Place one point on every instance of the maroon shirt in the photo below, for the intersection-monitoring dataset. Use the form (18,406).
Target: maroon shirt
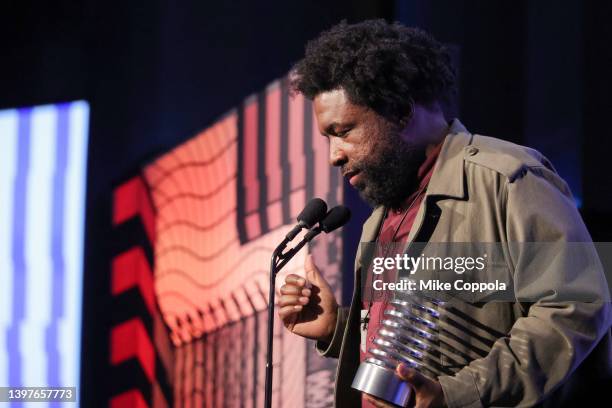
(386,235)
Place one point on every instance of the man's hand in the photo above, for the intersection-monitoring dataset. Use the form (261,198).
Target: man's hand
(427,393)
(308,306)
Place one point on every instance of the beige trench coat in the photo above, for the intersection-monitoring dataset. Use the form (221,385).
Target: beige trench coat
(502,353)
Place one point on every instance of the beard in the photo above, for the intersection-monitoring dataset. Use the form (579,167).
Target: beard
(390,172)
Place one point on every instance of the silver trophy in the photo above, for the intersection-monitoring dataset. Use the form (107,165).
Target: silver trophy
(409,335)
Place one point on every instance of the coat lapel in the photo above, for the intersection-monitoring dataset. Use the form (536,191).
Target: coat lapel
(368,234)
(447,179)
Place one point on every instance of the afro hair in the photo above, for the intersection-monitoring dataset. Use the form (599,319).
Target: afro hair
(385,67)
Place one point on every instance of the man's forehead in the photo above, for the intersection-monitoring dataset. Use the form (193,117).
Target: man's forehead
(331,98)
(334,107)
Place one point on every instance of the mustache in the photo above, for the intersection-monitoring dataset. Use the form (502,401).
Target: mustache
(354,168)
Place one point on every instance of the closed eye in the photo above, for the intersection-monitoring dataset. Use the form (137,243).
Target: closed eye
(338,130)
(343,133)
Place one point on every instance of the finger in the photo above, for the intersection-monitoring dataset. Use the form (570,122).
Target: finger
(290,290)
(278,290)
(294,290)
(296,280)
(288,300)
(292,300)
(411,376)
(288,311)
(312,272)
(375,401)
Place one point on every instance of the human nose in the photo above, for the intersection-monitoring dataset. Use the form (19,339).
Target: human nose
(337,156)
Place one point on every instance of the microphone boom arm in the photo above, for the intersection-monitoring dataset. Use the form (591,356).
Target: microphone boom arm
(335,218)
(277,262)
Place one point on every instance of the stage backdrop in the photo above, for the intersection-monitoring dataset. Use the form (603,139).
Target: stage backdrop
(223,201)
(43,162)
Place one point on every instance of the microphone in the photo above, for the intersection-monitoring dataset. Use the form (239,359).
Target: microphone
(314,211)
(334,219)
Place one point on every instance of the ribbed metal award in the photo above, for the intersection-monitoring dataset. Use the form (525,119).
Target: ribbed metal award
(408,334)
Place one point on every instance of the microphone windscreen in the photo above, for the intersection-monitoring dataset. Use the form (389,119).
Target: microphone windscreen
(314,212)
(335,218)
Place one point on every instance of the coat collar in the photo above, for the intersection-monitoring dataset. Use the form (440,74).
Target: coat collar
(372,224)
(446,180)
(447,177)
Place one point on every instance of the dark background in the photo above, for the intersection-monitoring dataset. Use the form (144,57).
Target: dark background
(157,72)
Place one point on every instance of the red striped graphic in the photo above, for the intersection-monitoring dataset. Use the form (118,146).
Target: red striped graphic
(296,154)
(131,199)
(273,165)
(131,269)
(131,340)
(251,183)
(321,153)
(129,399)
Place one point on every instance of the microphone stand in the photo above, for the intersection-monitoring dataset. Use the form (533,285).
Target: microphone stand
(278,261)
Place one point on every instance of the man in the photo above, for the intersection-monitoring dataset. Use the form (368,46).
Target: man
(378,91)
